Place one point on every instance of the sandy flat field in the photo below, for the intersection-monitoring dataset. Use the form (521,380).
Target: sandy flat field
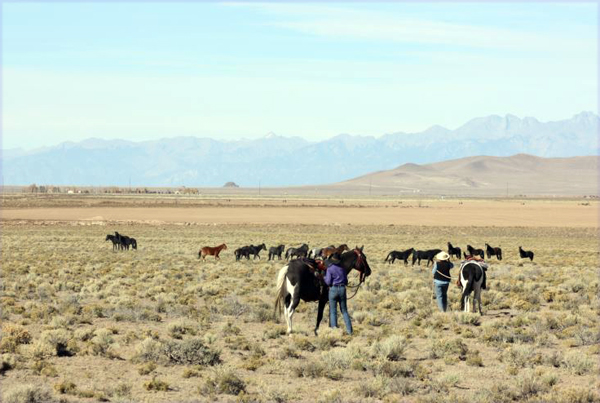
(537,213)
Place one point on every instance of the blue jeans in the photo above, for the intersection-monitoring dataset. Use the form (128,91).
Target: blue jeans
(441,294)
(338,294)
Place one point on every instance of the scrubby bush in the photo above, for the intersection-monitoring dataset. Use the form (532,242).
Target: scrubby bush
(391,349)
(148,350)
(27,394)
(191,352)
(223,381)
(156,385)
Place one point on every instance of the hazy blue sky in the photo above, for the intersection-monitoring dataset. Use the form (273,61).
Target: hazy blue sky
(143,71)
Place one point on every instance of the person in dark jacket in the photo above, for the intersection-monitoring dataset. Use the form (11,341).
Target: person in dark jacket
(336,279)
(441,279)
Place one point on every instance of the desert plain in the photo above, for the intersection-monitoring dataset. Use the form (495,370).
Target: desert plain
(81,322)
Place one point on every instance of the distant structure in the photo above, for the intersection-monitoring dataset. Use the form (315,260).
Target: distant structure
(230,185)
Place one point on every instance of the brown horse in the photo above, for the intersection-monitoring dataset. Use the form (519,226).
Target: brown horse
(328,251)
(211,251)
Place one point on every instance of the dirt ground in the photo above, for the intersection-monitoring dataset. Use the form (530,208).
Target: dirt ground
(459,213)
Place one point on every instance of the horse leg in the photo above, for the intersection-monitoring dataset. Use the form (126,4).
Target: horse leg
(294,300)
(322,303)
(478,299)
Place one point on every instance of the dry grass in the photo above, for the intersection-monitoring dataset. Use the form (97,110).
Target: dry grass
(81,323)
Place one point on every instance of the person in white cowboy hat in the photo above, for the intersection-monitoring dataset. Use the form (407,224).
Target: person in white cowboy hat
(441,279)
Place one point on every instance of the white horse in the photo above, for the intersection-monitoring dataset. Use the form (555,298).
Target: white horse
(472,279)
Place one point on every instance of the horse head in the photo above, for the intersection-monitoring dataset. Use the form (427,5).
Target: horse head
(361,264)
(108,237)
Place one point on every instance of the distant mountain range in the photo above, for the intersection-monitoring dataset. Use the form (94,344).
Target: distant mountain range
(520,174)
(291,161)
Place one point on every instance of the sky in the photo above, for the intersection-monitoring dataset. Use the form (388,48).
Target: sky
(149,70)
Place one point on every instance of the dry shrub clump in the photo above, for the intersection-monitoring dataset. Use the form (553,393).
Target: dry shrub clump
(185,352)
(27,394)
(223,381)
(190,352)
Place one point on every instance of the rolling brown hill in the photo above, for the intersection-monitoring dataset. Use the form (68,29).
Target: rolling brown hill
(521,174)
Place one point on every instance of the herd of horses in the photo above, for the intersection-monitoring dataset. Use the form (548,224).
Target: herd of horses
(301,278)
(121,242)
(428,255)
(303,251)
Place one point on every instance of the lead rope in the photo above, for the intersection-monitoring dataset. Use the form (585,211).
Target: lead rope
(355,292)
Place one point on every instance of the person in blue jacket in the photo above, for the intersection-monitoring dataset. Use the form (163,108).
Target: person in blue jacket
(337,280)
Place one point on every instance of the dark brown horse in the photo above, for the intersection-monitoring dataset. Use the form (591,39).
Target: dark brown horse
(491,251)
(211,251)
(330,250)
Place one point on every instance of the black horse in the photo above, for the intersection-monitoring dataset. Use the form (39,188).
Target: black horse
(452,251)
(299,280)
(255,250)
(125,242)
(395,254)
(241,252)
(525,254)
(490,251)
(276,251)
(473,251)
(424,254)
(301,251)
(115,241)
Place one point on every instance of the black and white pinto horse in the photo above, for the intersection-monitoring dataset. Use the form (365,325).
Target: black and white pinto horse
(424,254)
(454,251)
(298,280)
(301,251)
(472,278)
(395,254)
(276,251)
(317,252)
(524,254)
(491,251)
(474,252)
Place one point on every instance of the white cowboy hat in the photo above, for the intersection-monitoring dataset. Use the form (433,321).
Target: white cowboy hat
(442,256)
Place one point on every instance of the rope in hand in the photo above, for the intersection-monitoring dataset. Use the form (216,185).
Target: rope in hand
(355,286)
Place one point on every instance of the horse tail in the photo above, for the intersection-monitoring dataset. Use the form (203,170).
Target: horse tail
(388,257)
(199,253)
(531,256)
(280,290)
